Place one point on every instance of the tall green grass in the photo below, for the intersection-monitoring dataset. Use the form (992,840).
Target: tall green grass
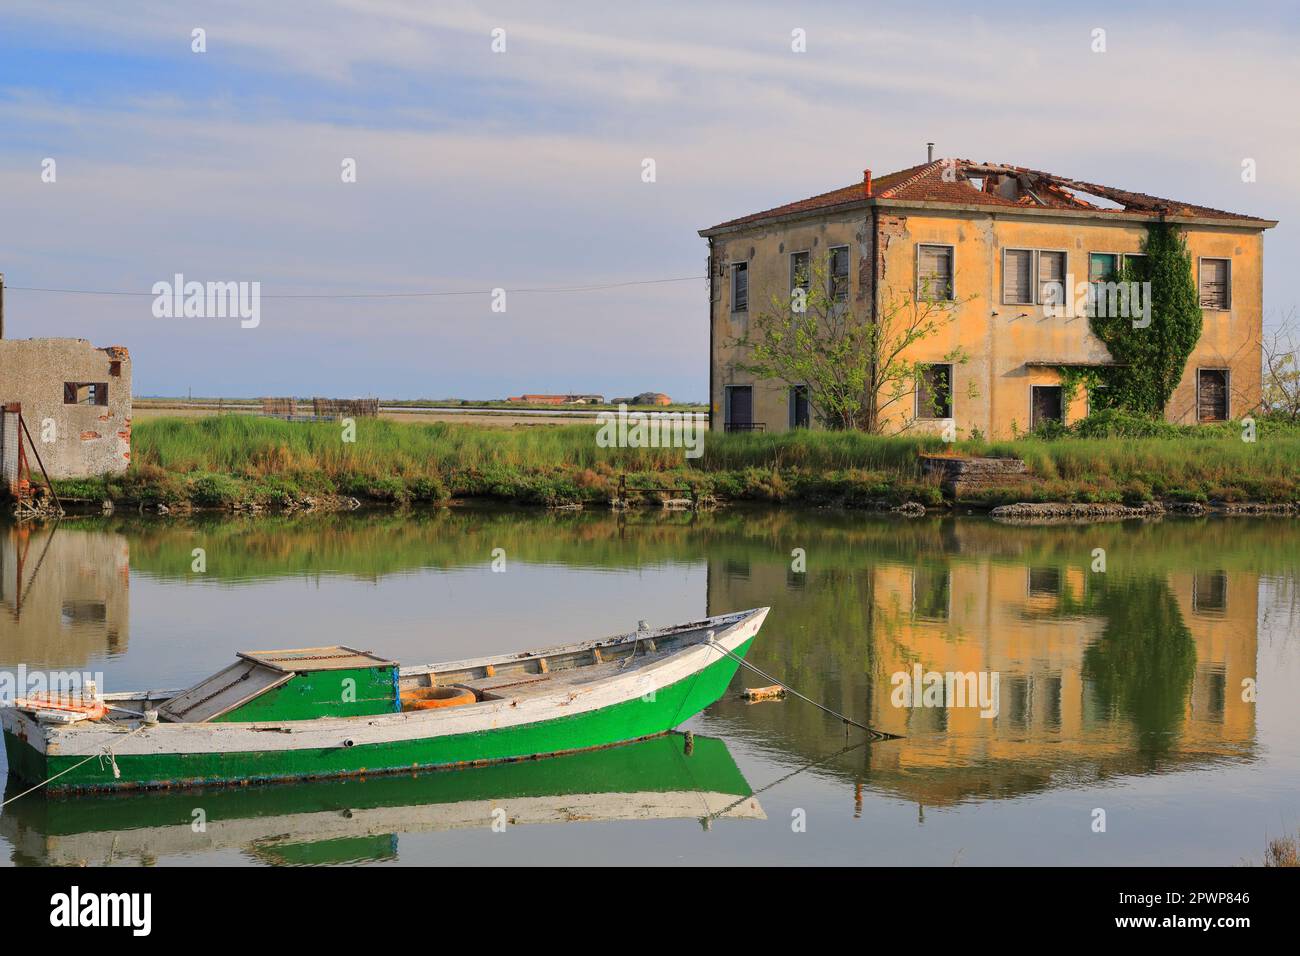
(221,459)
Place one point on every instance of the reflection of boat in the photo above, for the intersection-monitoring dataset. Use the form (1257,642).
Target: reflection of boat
(332,821)
(335,711)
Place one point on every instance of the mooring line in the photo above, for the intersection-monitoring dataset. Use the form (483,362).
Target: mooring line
(794,773)
(103,752)
(875,734)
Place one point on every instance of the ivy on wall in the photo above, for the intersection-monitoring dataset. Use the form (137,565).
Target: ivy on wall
(1073,376)
(1150,360)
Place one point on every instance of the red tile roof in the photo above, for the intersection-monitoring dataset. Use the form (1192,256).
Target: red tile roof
(950,181)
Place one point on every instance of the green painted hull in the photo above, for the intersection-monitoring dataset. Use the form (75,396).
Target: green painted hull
(620,723)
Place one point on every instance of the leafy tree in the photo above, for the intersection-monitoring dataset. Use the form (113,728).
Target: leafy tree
(1144,663)
(858,372)
(1151,360)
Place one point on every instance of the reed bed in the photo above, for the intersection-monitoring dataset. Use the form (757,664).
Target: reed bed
(224,459)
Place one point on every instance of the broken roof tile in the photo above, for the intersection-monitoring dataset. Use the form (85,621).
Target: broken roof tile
(950,181)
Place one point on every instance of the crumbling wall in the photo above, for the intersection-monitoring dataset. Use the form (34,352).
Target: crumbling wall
(72,440)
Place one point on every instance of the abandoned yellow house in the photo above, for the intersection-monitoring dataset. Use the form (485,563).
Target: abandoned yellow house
(1000,241)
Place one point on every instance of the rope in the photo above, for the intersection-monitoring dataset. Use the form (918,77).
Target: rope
(874,734)
(794,773)
(101,753)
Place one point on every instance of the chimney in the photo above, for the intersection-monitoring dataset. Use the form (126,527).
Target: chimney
(866,182)
(929,152)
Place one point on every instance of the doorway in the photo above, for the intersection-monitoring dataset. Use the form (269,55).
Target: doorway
(1048,405)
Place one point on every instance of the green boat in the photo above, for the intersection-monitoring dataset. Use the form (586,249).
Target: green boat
(337,711)
(352,820)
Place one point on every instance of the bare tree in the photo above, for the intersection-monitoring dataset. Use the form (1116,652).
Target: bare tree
(1282,369)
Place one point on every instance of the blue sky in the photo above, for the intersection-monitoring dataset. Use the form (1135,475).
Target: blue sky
(521,169)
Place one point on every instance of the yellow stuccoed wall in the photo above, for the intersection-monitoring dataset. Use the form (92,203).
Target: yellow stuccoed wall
(768,253)
(992,389)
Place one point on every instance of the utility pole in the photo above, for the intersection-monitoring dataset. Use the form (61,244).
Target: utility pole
(2,305)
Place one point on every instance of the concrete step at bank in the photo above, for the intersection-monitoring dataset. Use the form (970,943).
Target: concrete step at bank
(961,478)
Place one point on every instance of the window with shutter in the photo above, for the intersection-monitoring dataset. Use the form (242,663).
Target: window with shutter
(1212,395)
(1214,283)
(740,287)
(1018,276)
(839,272)
(934,273)
(1051,278)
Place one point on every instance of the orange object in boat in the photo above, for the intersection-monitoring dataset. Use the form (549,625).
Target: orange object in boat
(92,708)
(430,698)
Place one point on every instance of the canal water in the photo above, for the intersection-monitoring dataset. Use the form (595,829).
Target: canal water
(1145,711)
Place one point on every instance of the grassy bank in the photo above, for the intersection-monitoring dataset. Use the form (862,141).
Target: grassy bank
(222,461)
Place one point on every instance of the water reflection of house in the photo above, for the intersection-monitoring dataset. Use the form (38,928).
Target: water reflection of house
(1098,675)
(64,595)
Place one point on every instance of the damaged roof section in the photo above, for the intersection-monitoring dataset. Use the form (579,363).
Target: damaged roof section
(963,182)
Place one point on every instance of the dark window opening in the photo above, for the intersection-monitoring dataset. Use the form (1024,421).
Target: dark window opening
(1016,694)
(800,271)
(800,410)
(1048,405)
(934,392)
(839,272)
(736,569)
(85,393)
(1216,694)
(1210,592)
(1045,581)
(931,593)
(1135,264)
(84,612)
(1052,702)
(740,409)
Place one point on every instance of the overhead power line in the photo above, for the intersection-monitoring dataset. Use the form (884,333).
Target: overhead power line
(382,295)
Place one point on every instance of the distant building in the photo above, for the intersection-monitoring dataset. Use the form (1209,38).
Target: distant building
(558,399)
(75,400)
(645,398)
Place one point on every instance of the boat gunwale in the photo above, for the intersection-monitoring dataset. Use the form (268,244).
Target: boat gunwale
(719,621)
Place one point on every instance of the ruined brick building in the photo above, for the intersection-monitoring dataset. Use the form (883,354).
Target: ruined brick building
(75,400)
